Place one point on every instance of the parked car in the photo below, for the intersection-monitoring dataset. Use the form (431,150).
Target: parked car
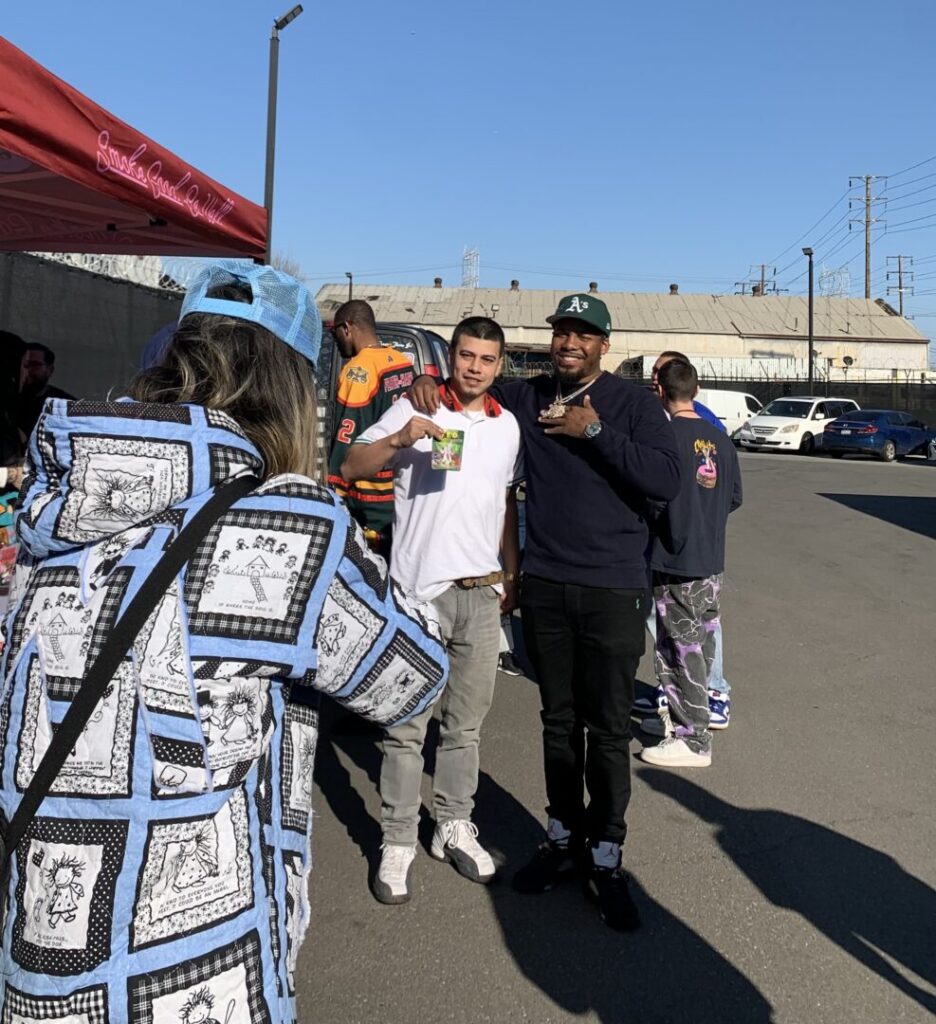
(793,424)
(885,433)
(428,351)
(733,408)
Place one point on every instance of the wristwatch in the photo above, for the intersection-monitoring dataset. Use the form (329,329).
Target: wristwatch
(592,430)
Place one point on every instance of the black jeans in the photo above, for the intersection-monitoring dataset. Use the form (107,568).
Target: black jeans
(585,644)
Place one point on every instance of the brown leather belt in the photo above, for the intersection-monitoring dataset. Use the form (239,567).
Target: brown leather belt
(470,582)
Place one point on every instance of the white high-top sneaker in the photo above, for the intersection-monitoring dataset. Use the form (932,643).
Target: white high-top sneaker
(456,841)
(391,883)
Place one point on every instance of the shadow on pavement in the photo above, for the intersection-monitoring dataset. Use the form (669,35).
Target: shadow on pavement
(663,974)
(910,512)
(860,898)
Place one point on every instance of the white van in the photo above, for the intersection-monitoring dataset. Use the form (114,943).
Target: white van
(793,424)
(733,408)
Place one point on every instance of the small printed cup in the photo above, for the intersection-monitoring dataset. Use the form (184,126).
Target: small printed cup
(447,450)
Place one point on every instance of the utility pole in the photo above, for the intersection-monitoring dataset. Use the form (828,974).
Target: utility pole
(808,253)
(899,273)
(867,236)
(758,283)
(868,220)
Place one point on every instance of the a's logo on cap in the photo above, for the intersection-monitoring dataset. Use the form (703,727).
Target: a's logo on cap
(576,305)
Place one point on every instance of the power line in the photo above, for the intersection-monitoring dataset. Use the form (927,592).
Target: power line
(907,170)
(913,181)
(913,220)
(375,273)
(813,228)
(913,192)
(826,256)
(907,206)
(844,233)
(919,227)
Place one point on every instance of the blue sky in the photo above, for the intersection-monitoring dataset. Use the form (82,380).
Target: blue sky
(635,144)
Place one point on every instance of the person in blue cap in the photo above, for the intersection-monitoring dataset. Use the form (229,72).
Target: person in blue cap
(165,875)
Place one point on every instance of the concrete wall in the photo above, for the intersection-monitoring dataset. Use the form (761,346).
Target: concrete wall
(96,326)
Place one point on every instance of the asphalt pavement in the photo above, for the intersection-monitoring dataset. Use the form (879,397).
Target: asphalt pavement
(793,881)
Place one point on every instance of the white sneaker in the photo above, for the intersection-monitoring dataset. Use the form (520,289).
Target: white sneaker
(392,882)
(674,752)
(455,840)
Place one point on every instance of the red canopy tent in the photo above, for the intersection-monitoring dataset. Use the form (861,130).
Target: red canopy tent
(74,178)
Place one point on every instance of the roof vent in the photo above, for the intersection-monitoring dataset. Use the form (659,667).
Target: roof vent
(592,287)
(437,282)
(515,285)
(674,289)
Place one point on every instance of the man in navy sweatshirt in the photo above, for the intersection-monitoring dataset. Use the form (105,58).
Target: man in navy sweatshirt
(596,447)
(688,559)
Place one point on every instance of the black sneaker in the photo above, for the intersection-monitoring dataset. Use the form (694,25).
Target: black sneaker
(609,889)
(550,865)
(507,663)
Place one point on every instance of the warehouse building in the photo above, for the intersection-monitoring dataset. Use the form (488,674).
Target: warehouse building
(726,336)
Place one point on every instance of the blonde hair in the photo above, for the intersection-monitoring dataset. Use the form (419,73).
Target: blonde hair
(243,369)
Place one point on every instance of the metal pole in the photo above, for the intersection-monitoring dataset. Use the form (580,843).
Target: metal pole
(278,25)
(271,139)
(809,359)
(350,278)
(900,282)
(868,236)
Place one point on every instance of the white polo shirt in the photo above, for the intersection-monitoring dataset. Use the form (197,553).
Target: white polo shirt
(448,523)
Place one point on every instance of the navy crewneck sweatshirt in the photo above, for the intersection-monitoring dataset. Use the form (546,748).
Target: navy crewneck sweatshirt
(690,531)
(586,499)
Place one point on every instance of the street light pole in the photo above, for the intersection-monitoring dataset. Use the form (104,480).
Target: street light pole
(278,27)
(809,364)
(350,278)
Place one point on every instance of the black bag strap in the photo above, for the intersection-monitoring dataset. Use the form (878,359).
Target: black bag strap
(119,641)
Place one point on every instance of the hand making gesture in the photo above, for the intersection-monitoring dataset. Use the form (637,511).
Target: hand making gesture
(573,421)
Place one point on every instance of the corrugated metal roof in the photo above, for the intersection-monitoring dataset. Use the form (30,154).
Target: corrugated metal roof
(777,316)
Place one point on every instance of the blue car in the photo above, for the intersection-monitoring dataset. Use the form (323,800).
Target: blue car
(885,433)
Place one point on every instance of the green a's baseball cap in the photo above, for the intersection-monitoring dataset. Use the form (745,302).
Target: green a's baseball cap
(583,307)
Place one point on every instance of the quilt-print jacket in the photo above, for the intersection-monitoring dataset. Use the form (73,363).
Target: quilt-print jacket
(164,878)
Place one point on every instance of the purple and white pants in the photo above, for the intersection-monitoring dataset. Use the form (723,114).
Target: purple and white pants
(686,621)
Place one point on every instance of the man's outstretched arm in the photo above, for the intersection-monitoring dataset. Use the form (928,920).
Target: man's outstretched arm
(365,458)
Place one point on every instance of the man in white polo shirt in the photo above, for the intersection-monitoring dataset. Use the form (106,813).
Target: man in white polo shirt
(455,525)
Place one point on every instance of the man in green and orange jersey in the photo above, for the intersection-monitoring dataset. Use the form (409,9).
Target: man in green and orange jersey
(374,377)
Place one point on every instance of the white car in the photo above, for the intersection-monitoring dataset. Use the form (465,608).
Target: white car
(733,408)
(792,424)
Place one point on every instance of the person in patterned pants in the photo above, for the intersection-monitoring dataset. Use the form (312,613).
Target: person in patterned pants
(687,560)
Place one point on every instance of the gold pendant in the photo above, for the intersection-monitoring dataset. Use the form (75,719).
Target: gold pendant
(556,411)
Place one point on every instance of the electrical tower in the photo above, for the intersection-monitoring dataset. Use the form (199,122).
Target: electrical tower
(867,219)
(471,268)
(903,272)
(835,282)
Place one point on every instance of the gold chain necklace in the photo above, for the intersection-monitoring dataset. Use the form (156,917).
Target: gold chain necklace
(558,407)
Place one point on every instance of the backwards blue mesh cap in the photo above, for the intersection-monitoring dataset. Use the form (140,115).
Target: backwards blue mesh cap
(280,303)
